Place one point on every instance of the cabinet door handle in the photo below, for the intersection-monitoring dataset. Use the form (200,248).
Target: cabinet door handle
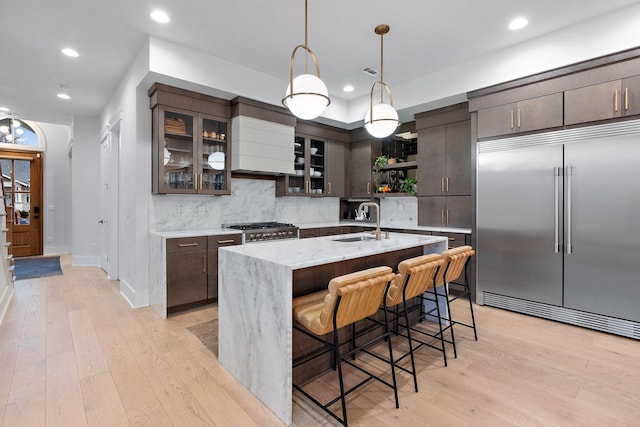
(187,245)
(447,186)
(442,184)
(204,263)
(452,239)
(329,192)
(519,114)
(447,216)
(368,188)
(615,101)
(511,119)
(222,242)
(441,216)
(626,98)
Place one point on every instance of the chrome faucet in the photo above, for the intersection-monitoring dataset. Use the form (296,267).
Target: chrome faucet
(363,204)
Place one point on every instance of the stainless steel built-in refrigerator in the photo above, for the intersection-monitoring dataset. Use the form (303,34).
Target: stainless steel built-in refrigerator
(558,226)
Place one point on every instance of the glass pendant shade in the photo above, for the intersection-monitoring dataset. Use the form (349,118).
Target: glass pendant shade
(309,99)
(383,122)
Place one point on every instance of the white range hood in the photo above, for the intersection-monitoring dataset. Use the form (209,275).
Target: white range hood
(260,146)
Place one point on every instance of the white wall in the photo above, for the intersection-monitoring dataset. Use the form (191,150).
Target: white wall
(56,209)
(134,182)
(85,191)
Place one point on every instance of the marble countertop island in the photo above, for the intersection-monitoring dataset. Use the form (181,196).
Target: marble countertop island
(255,296)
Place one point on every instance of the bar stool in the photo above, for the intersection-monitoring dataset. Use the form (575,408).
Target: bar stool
(456,262)
(415,276)
(348,299)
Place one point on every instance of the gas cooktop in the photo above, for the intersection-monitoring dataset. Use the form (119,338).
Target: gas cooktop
(264,231)
(259,225)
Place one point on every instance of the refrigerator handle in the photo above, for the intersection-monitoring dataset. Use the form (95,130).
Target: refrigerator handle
(556,172)
(569,238)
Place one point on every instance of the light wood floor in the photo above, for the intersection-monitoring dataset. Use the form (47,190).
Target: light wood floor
(72,353)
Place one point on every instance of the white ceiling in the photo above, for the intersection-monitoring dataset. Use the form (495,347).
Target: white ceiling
(425,37)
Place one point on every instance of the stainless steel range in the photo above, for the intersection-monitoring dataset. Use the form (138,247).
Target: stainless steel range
(265,231)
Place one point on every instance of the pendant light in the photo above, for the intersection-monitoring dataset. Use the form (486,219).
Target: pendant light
(307,96)
(381,119)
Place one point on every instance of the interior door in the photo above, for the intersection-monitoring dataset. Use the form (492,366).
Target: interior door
(516,211)
(109,188)
(22,181)
(602,269)
(105,161)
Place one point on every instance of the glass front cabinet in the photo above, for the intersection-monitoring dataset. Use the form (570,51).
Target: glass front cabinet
(309,178)
(190,152)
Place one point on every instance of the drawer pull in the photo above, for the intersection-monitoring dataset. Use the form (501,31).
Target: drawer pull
(452,239)
(187,245)
(222,242)
(204,263)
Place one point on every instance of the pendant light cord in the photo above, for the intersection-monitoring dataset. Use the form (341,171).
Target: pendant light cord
(306,42)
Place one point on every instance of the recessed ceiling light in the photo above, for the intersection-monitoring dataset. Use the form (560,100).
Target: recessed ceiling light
(4,109)
(63,96)
(518,23)
(70,52)
(160,16)
(348,88)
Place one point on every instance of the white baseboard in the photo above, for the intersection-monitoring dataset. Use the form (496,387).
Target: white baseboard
(5,299)
(55,250)
(85,261)
(128,293)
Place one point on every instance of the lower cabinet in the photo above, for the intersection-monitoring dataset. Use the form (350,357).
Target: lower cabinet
(186,271)
(192,269)
(306,233)
(214,243)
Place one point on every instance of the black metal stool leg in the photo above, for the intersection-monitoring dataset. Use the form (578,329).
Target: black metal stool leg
(413,363)
(336,345)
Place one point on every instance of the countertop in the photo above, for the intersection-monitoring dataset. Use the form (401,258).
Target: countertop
(398,226)
(302,253)
(384,224)
(194,233)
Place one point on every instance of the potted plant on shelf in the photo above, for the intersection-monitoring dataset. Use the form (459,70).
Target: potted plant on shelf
(409,186)
(380,162)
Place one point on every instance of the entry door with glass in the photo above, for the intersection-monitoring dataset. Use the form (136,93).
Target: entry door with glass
(22,183)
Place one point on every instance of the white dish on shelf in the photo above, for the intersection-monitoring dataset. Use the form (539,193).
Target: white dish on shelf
(297,144)
(216,160)
(300,160)
(299,172)
(313,150)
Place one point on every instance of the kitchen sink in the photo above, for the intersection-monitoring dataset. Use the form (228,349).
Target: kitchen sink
(355,239)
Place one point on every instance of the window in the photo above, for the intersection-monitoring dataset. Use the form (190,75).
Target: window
(16,180)
(20,134)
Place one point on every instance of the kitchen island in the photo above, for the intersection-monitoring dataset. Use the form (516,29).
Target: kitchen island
(257,283)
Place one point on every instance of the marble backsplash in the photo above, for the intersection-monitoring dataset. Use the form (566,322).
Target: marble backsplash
(254,200)
(399,212)
(251,200)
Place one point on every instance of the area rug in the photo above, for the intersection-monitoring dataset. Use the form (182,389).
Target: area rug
(207,333)
(31,268)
